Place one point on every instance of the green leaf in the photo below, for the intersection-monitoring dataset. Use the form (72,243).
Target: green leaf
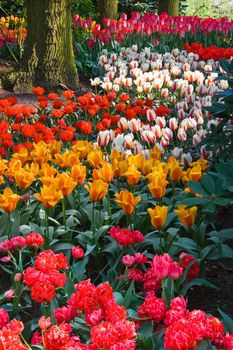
(128,295)
(227,321)
(224,234)
(187,244)
(197,282)
(79,269)
(208,183)
(198,188)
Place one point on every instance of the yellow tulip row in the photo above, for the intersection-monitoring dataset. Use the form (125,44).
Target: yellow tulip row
(59,172)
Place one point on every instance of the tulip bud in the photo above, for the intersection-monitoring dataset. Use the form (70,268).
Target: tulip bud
(18,277)
(173,124)
(181,134)
(103,138)
(150,114)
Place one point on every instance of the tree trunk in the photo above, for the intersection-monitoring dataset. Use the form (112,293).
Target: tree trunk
(48,58)
(107,9)
(169,6)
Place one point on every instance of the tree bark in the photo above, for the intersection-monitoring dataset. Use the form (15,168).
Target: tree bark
(107,9)
(169,6)
(48,58)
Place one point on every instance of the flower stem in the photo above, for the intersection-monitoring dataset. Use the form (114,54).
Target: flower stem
(93,222)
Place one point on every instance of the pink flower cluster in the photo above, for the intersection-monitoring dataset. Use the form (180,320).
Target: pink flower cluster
(150,24)
(45,276)
(110,329)
(126,237)
(10,332)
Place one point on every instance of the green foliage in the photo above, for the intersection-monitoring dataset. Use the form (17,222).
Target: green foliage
(220,139)
(84,8)
(209,8)
(127,6)
(12,7)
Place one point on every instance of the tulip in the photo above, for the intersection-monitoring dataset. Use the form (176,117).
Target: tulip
(127,201)
(65,183)
(8,200)
(105,173)
(157,185)
(103,138)
(49,196)
(24,179)
(175,170)
(133,175)
(148,136)
(186,216)
(95,158)
(78,173)
(97,190)
(158,216)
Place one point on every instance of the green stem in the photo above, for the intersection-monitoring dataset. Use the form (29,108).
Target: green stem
(47,227)
(64,213)
(93,222)
(10,225)
(109,208)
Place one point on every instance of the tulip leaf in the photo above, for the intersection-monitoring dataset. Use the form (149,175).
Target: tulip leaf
(197,282)
(227,321)
(198,188)
(128,295)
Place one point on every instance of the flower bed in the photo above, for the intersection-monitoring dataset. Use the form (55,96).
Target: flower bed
(108,209)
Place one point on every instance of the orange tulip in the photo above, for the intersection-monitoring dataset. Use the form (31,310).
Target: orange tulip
(8,200)
(97,190)
(119,167)
(133,175)
(192,174)
(49,195)
(105,173)
(158,216)
(40,153)
(157,185)
(67,159)
(95,158)
(127,201)
(24,178)
(65,183)
(78,173)
(186,216)
(175,170)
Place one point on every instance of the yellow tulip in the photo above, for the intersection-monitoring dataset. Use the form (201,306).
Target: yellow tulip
(97,190)
(175,170)
(133,175)
(55,147)
(49,195)
(135,160)
(186,216)
(158,215)
(78,173)
(47,174)
(14,166)
(105,173)
(155,153)
(67,159)
(8,200)
(22,155)
(158,184)
(192,174)
(119,167)
(83,148)
(3,165)
(40,153)
(127,201)
(95,158)
(24,178)
(65,183)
